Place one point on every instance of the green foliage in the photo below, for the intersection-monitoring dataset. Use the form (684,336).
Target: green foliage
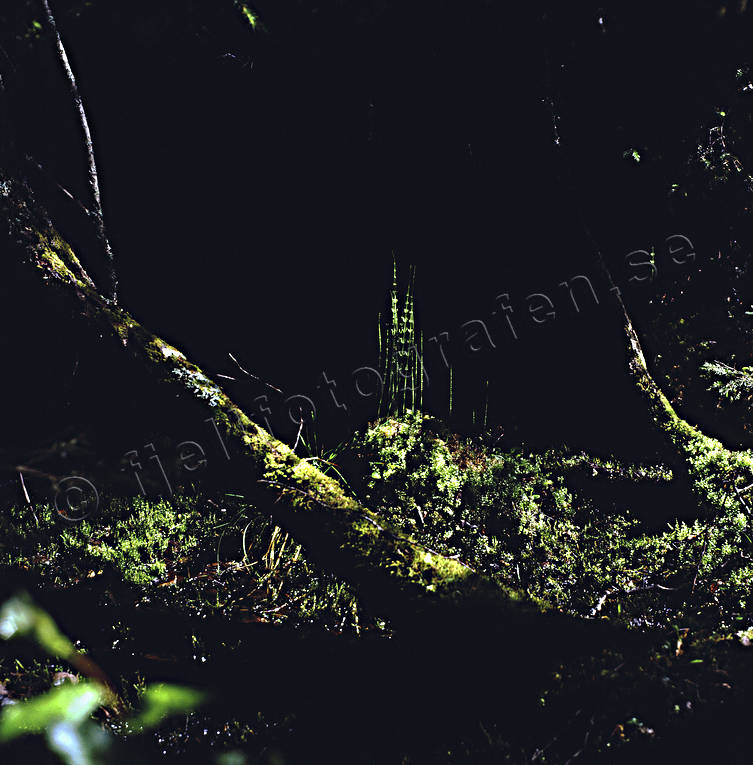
(162,701)
(499,511)
(63,715)
(21,618)
(248,14)
(269,569)
(135,536)
(730,383)
(400,352)
(70,704)
(186,540)
(514,516)
(413,479)
(200,556)
(718,476)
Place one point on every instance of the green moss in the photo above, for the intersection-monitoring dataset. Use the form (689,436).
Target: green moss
(412,476)
(185,554)
(132,536)
(714,471)
(53,261)
(304,488)
(513,516)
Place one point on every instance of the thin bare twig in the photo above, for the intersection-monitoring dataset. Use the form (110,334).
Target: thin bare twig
(253,376)
(741,499)
(29,503)
(300,430)
(61,188)
(98,214)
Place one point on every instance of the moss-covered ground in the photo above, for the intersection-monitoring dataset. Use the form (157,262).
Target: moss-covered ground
(559,526)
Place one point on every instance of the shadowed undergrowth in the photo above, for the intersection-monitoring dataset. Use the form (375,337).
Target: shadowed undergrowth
(530,520)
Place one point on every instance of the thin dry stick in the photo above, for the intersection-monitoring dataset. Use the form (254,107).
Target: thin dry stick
(29,503)
(60,187)
(252,376)
(97,212)
(297,438)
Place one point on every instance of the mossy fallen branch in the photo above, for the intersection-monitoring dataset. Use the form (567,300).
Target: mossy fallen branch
(717,475)
(394,576)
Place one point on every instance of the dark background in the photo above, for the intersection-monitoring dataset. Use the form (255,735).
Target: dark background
(257,183)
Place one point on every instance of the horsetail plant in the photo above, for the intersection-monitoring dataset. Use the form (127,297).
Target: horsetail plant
(400,350)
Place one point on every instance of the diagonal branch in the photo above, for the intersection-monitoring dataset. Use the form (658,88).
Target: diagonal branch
(421,591)
(97,212)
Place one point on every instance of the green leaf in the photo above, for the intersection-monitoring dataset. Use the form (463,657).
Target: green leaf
(162,700)
(249,14)
(84,744)
(20,617)
(236,758)
(70,704)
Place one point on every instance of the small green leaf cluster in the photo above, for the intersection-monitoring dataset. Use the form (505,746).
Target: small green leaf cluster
(63,715)
(730,383)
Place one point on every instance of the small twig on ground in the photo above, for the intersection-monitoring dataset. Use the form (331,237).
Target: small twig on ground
(29,503)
